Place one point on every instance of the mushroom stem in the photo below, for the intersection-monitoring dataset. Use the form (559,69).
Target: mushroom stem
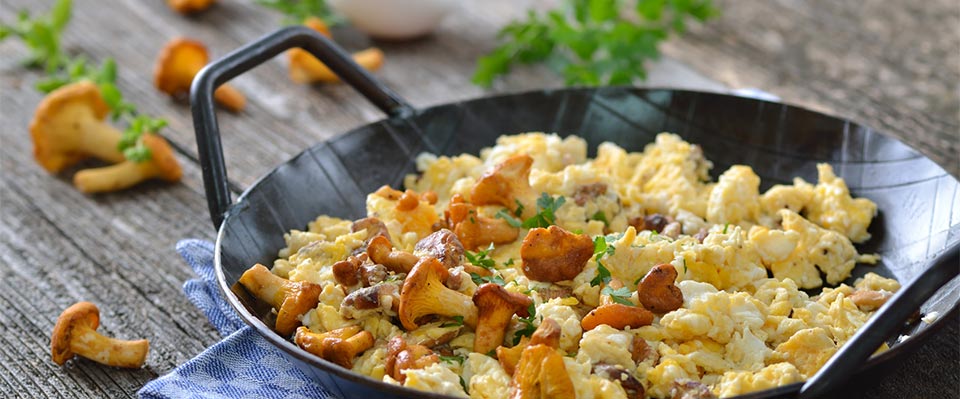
(230,98)
(265,285)
(92,345)
(304,68)
(111,178)
(101,140)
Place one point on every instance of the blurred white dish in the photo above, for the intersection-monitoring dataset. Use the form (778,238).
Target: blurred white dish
(394,19)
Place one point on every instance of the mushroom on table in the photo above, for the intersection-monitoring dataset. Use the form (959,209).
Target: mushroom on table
(179,62)
(75,334)
(161,164)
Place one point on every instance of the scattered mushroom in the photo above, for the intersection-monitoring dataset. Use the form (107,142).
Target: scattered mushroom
(179,62)
(305,68)
(434,334)
(76,334)
(358,271)
(554,254)
(496,306)
(442,244)
(589,192)
(339,346)
(689,389)
(423,293)
(628,382)
(658,291)
(382,298)
(547,333)
(507,184)
(402,356)
(541,373)
(372,225)
(640,351)
(474,230)
(291,299)
(618,316)
(68,126)
(381,251)
(189,6)
(161,165)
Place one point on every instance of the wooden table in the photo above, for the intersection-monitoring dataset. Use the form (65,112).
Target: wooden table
(890,64)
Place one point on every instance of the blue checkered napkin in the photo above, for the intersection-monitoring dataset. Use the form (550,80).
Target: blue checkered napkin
(243,365)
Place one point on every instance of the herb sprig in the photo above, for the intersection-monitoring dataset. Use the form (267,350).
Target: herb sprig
(620,295)
(41,35)
(592,41)
(546,213)
(601,248)
(528,326)
(296,11)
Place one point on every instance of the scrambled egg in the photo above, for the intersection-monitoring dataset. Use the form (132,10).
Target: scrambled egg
(737,331)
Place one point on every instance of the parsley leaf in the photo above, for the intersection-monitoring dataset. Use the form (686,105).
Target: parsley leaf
(600,249)
(600,216)
(725,227)
(546,209)
(620,295)
(512,221)
(592,41)
(478,279)
(296,11)
(481,258)
(457,322)
(528,326)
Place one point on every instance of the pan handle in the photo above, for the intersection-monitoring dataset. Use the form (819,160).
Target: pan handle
(246,58)
(886,322)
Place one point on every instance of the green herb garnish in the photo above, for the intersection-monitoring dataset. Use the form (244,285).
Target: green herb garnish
(592,42)
(296,11)
(528,326)
(602,248)
(453,359)
(600,216)
(620,295)
(481,258)
(457,322)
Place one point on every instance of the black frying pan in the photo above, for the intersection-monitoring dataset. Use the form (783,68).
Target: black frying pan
(919,202)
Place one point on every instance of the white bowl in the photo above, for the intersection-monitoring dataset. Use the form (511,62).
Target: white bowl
(394,19)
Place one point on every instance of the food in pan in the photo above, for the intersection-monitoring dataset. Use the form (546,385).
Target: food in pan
(533,271)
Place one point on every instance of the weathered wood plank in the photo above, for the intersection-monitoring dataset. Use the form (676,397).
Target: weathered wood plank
(892,65)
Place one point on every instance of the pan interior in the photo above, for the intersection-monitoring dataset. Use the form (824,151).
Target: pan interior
(917,199)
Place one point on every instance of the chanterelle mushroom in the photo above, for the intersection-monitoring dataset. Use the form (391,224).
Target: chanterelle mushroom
(161,165)
(548,333)
(507,184)
(442,244)
(541,373)
(658,291)
(496,306)
(618,316)
(291,299)
(305,68)
(189,6)
(76,334)
(402,356)
(423,293)
(474,230)
(68,126)
(339,346)
(381,251)
(179,62)
(554,254)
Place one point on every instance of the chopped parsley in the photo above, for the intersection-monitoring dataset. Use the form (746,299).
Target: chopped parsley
(481,258)
(457,322)
(528,326)
(478,279)
(453,359)
(600,249)
(546,213)
(725,226)
(620,295)
(600,216)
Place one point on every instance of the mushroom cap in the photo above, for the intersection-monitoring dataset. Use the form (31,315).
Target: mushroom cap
(554,254)
(318,25)
(657,290)
(442,244)
(77,315)
(161,157)
(179,61)
(189,6)
(506,184)
(301,297)
(47,126)
(496,307)
(618,316)
(423,293)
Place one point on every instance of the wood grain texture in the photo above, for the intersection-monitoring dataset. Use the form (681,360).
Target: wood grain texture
(58,246)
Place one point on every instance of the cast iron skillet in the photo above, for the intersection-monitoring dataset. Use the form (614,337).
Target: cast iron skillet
(919,217)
